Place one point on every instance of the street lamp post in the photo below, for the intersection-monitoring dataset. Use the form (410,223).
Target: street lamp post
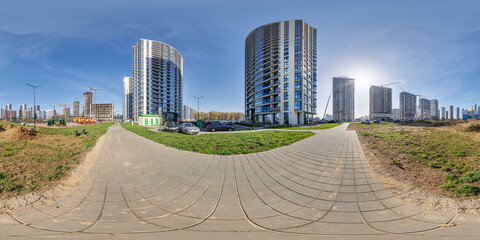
(198,106)
(34,105)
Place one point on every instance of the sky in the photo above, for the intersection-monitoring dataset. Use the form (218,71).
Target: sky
(432,47)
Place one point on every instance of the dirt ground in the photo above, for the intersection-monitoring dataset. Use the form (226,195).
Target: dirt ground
(32,162)
(413,181)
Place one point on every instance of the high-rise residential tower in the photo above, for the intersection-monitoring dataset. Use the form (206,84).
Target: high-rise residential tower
(76,108)
(408,106)
(21,108)
(424,109)
(443,113)
(380,103)
(88,104)
(434,112)
(343,99)
(157,80)
(187,113)
(127,98)
(451,112)
(281,73)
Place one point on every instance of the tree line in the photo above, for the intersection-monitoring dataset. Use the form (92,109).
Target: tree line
(214,115)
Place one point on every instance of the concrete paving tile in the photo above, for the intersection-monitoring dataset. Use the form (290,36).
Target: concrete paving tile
(342,217)
(280,222)
(335,229)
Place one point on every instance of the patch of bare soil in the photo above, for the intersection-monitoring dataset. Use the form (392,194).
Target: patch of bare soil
(412,181)
(53,191)
(15,133)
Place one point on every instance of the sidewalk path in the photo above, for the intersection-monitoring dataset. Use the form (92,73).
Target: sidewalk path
(321,186)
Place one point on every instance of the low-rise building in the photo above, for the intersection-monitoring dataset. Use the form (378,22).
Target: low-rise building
(148,119)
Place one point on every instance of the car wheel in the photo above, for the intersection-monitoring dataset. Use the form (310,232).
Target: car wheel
(230,129)
(213,130)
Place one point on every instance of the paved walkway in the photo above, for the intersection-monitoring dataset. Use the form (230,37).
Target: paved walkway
(321,186)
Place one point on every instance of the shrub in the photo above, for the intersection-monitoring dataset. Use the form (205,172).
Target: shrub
(433,164)
(468,190)
(471,177)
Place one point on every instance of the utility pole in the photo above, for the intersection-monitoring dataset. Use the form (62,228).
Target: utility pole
(34,105)
(198,106)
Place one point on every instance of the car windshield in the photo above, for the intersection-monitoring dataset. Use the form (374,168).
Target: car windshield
(188,125)
(171,124)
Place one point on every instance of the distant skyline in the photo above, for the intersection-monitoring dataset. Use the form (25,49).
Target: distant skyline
(432,47)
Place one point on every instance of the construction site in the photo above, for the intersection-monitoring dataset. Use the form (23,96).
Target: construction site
(65,114)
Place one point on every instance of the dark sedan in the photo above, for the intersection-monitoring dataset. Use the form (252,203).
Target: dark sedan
(220,127)
(171,127)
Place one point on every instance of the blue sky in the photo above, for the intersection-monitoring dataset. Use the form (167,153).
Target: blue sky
(432,47)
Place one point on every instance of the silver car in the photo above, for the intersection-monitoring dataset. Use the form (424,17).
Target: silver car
(188,128)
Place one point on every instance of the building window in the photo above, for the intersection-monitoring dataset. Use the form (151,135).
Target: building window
(298,94)
(285,70)
(285,78)
(285,96)
(285,59)
(285,106)
(285,86)
(285,64)
(298,85)
(298,105)
(298,76)
(285,118)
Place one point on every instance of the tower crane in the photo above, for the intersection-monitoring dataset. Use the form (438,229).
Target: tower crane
(94,93)
(65,110)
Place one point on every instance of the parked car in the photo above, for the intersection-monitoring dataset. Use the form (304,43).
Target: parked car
(366,122)
(188,128)
(376,121)
(220,127)
(171,127)
(397,121)
(210,122)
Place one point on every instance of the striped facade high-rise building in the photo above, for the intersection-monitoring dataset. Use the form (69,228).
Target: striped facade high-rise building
(127,101)
(157,80)
(281,73)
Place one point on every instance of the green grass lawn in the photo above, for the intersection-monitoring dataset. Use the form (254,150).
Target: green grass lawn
(455,154)
(249,124)
(324,126)
(222,144)
(92,132)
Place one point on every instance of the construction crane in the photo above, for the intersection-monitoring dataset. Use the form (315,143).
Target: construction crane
(94,93)
(54,113)
(383,85)
(65,110)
